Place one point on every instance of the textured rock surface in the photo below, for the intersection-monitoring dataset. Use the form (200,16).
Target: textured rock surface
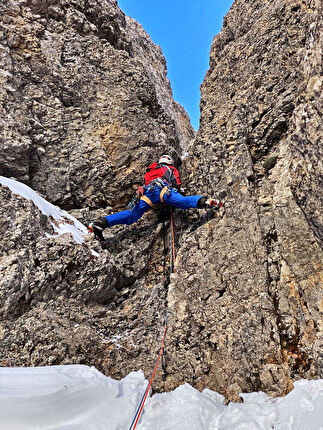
(40,276)
(246,302)
(60,304)
(306,139)
(85,105)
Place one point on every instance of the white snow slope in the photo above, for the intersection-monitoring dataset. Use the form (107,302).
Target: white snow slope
(65,223)
(77,397)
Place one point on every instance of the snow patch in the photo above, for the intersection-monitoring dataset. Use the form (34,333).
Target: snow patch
(81,398)
(62,222)
(96,254)
(66,397)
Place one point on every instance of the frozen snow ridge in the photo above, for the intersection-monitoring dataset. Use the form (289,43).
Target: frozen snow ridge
(62,225)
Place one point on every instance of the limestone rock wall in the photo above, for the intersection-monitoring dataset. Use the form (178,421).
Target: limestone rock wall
(45,284)
(85,106)
(85,102)
(246,301)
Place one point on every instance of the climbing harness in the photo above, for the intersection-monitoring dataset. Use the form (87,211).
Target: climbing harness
(147,200)
(161,351)
(165,190)
(158,182)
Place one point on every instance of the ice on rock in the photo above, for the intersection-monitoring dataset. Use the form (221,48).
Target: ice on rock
(76,228)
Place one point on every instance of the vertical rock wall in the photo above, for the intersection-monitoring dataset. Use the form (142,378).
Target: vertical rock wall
(85,101)
(246,301)
(85,105)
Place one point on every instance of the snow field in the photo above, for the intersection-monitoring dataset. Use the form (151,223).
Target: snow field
(77,397)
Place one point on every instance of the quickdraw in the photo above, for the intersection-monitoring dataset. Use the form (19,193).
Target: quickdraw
(135,200)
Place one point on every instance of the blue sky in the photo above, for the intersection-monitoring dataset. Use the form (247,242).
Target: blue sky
(184,29)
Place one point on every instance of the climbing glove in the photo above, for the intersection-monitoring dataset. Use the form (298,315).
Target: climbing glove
(98,226)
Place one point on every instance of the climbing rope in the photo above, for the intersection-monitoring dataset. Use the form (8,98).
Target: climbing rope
(172,264)
(172,241)
(142,402)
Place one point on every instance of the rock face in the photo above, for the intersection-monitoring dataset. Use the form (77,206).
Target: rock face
(246,301)
(85,106)
(39,275)
(61,304)
(85,102)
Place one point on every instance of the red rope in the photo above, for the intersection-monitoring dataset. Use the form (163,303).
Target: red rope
(173,237)
(142,402)
(151,379)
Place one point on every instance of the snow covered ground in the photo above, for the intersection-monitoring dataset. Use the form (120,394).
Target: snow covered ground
(78,397)
(65,223)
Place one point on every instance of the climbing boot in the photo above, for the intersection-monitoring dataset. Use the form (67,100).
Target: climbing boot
(97,227)
(213,203)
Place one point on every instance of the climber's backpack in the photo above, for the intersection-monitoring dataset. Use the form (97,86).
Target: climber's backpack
(162,171)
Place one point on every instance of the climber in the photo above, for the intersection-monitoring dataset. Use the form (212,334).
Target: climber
(162,184)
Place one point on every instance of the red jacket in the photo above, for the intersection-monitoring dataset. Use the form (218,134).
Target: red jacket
(164,171)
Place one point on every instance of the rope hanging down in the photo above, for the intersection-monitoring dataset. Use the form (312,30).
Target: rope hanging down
(141,405)
(172,264)
(172,241)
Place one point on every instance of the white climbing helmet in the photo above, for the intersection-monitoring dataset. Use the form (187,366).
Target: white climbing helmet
(166,159)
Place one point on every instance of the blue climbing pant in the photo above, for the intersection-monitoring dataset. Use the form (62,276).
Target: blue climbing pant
(174,198)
